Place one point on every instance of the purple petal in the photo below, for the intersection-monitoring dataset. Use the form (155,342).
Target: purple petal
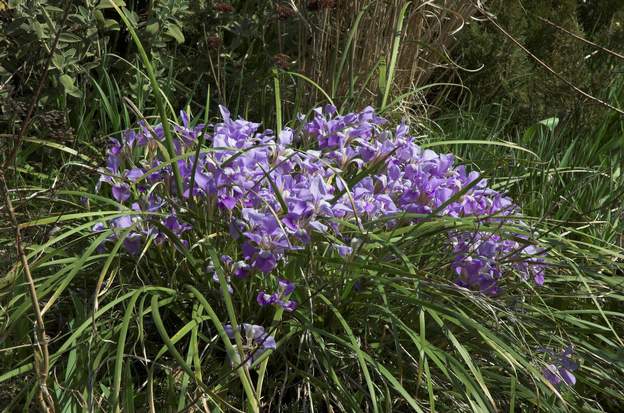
(134,174)
(286,136)
(567,376)
(225,113)
(254,331)
(265,262)
(539,277)
(185,118)
(122,222)
(289,305)
(241,269)
(268,342)
(99,227)
(266,299)
(550,373)
(121,192)
(286,286)
(227,201)
(229,331)
(343,250)
(133,243)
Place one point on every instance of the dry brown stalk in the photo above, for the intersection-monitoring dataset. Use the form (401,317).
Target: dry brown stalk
(428,34)
(42,356)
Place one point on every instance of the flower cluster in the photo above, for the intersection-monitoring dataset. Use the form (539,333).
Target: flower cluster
(560,369)
(239,269)
(276,196)
(255,340)
(280,297)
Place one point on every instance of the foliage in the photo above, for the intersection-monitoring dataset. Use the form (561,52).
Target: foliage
(234,46)
(384,328)
(507,73)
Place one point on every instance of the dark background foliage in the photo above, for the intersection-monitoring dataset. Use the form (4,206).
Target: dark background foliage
(511,77)
(234,46)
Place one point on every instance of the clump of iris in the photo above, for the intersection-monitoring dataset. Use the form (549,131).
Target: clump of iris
(276,196)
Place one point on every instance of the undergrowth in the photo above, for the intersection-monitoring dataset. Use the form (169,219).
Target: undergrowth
(381,322)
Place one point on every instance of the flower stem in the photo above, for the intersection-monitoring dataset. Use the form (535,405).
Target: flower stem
(263,366)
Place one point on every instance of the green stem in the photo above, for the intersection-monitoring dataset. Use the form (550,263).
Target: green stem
(263,365)
(230,308)
(395,54)
(160,327)
(278,101)
(200,142)
(121,344)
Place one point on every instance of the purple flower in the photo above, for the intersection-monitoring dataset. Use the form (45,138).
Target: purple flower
(122,222)
(266,299)
(113,160)
(289,305)
(99,227)
(187,133)
(343,250)
(175,226)
(276,199)
(121,192)
(134,174)
(255,340)
(133,243)
(561,368)
(285,288)
(551,374)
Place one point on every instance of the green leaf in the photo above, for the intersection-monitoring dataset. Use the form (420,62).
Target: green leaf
(398,31)
(152,28)
(550,123)
(382,75)
(355,345)
(67,81)
(51,8)
(111,24)
(58,60)
(70,87)
(107,4)
(38,28)
(69,38)
(175,32)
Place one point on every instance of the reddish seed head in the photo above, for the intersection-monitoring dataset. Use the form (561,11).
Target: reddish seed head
(223,7)
(214,42)
(284,11)
(282,60)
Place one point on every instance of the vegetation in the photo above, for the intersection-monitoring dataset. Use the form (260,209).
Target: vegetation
(160,253)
